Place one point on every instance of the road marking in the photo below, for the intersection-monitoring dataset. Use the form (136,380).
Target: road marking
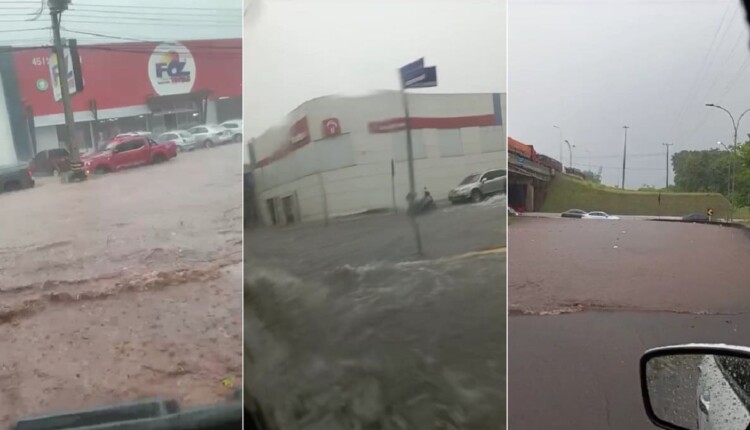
(500,250)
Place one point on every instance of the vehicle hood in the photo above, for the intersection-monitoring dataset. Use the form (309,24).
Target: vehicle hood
(96,156)
(465,188)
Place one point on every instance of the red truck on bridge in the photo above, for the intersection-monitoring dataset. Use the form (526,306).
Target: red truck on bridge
(128,151)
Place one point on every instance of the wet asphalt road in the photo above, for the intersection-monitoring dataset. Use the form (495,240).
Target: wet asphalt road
(345,327)
(123,287)
(310,249)
(583,312)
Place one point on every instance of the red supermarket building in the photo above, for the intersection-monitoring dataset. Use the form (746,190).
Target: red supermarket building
(128,87)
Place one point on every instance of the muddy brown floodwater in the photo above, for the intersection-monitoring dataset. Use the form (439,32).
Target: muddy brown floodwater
(561,265)
(588,297)
(123,287)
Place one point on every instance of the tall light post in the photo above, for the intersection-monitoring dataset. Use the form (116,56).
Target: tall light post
(729,170)
(667,145)
(735,125)
(624,154)
(570,152)
(562,163)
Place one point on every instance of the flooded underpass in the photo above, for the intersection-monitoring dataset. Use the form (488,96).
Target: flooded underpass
(587,298)
(368,335)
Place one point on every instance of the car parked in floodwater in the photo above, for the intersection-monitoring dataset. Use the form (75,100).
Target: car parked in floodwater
(696,218)
(599,215)
(50,162)
(183,139)
(573,213)
(16,177)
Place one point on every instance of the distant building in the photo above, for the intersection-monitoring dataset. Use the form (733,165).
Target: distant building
(336,156)
(143,86)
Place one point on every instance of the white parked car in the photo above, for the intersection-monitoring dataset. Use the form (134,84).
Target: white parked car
(235,126)
(599,215)
(184,140)
(210,135)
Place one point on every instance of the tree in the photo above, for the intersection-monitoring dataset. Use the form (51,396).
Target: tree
(702,171)
(709,171)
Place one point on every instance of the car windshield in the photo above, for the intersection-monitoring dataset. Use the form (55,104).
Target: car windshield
(229,125)
(166,137)
(469,179)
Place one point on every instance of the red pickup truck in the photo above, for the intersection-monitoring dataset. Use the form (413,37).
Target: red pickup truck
(128,151)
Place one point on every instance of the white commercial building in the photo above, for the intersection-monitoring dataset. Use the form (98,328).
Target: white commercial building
(340,156)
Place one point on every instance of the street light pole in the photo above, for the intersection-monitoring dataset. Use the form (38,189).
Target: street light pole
(562,163)
(624,155)
(570,151)
(735,126)
(667,145)
(729,170)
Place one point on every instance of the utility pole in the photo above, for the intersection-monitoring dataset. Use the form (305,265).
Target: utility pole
(56,8)
(667,145)
(624,155)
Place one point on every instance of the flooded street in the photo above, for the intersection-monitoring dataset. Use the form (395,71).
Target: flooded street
(588,298)
(379,336)
(122,287)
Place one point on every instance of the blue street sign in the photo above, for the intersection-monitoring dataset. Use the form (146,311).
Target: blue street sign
(411,70)
(428,78)
(416,75)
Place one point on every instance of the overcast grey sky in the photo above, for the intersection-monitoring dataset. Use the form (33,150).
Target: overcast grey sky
(593,66)
(135,19)
(297,50)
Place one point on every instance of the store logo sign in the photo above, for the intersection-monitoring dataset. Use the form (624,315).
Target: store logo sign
(171,69)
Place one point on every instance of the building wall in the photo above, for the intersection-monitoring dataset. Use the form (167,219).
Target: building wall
(7,150)
(46,138)
(351,173)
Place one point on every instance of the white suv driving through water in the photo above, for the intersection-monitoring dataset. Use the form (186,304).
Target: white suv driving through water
(477,186)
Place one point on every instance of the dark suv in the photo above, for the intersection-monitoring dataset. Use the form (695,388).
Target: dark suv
(50,162)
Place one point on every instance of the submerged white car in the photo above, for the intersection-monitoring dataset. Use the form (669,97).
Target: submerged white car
(599,215)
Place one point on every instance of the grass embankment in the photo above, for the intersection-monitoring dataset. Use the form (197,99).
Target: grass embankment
(566,193)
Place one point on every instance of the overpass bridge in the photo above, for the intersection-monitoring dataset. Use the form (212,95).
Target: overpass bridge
(529,175)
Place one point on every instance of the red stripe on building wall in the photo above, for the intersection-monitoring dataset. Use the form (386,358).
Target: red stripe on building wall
(418,123)
(391,125)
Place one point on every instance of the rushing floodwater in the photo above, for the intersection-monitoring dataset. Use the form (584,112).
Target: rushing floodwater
(383,346)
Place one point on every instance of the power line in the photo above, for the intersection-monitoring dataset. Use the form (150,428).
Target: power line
(168,8)
(701,72)
(180,21)
(175,24)
(585,166)
(25,29)
(140,13)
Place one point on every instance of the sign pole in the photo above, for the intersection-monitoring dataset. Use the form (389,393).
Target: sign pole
(412,188)
(414,75)
(393,185)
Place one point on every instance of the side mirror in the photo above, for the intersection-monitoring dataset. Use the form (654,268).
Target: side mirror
(483,180)
(697,387)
